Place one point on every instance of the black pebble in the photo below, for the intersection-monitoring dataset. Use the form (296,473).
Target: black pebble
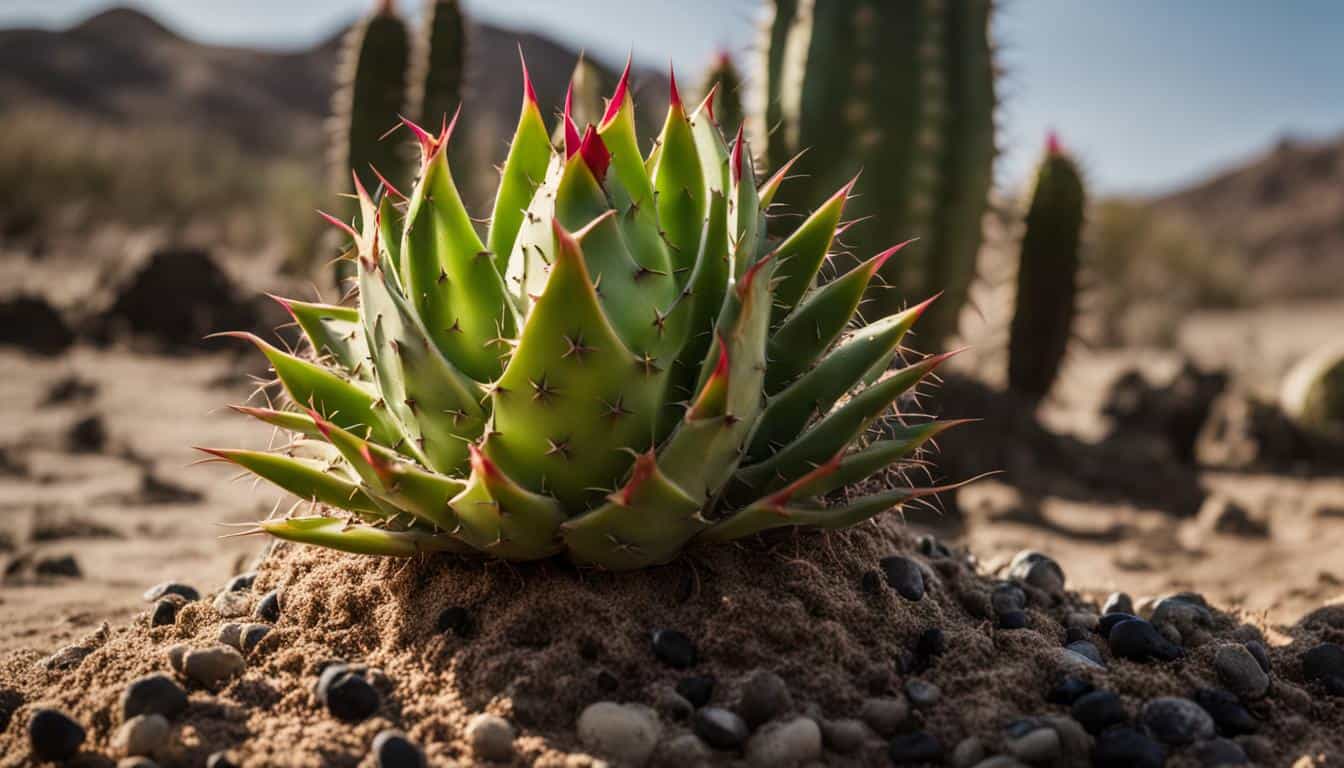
(674,648)
(904,576)
(1220,752)
(165,613)
(930,546)
(171,588)
(1118,602)
(720,728)
(1109,620)
(394,750)
(696,689)
(252,634)
(155,694)
(871,582)
(269,607)
(917,747)
(1138,640)
(1076,634)
(1098,710)
(1013,620)
(1124,747)
(242,582)
(1260,654)
(1322,662)
(1069,689)
(220,760)
(53,735)
(457,620)
(1227,712)
(932,642)
(350,697)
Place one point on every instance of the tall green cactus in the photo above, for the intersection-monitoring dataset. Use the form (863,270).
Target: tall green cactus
(1047,275)
(907,89)
(440,62)
(727,104)
(370,96)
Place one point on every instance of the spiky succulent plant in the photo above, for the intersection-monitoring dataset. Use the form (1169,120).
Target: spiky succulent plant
(626,363)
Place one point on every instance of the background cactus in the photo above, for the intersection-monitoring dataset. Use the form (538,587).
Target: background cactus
(1047,275)
(627,362)
(440,62)
(727,104)
(1313,391)
(906,90)
(370,97)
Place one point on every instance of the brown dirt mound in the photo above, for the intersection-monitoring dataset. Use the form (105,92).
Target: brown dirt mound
(549,640)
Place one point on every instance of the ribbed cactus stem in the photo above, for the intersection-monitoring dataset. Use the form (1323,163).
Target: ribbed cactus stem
(1047,275)
(724,79)
(440,62)
(368,100)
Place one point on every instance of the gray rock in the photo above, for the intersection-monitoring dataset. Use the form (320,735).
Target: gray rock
(154,694)
(764,696)
(1073,661)
(233,605)
(176,655)
(720,728)
(1177,721)
(844,736)
(671,704)
(1170,632)
(1007,598)
(231,634)
(903,575)
(1037,570)
(885,714)
(242,582)
(791,742)
(1082,620)
(1118,602)
(625,733)
(1184,615)
(213,667)
(491,737)
(1088,650)
(922,693)
(66,658)
(154,593)
(684,751)
(1239,672)
(1038,746)
(253,634)
(1216,753)
(1074,743)
(141,735)
(969,752)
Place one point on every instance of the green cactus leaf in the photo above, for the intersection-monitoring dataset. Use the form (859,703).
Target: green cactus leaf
(524,170)
(902,443)
(332,331)
(336,533)
(617,130)
(292,421)
(803,252)
(679,183)
(767,514)
(498,516)
(307,479)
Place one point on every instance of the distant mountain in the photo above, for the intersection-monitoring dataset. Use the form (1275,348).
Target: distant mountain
(124,67)
(1281,213)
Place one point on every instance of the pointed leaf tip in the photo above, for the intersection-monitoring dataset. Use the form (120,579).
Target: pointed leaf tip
(674,97)
(284,302)
(1052,145)
(387,185)
(529,93)
(346,228)
(707,104)
(882,257)
(645,465)
(618,96)
(481,464)
(738,143)
(595,154)
(572,139)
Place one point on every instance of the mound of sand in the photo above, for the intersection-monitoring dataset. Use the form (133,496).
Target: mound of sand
(541,642)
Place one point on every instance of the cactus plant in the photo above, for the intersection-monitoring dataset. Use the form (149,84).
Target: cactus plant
(1313,391)
(906,89)
(725,82)
(440,61)
(370,97)
(1047,275)
(626,363)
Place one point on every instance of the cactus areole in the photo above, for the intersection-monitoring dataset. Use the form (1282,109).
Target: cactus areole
(624,365)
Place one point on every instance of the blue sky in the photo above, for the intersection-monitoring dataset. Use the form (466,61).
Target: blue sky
(1151,94)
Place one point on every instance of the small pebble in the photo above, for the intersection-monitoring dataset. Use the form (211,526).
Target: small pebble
(1013,620)
(1083,620)
(845,735)
(1074,742)
(349,697)
(674,648)
(1088,650)
(1038,746)
(141,735)
(251,635)
(232,605)
(671,704)
(155,694)
(242,582)
(1139,640)
(58,565)
(1007,598)
(1170,632)
(969,752)
(136,762)
(1040,572)
(65,658)
(1219,752)
(903,575)
(1261,654)
(1323,662)
(491,737)
(626,733)
(1182,614)
(1099,710)
(393,750)
(231,634)
(1240,672)
(720,728)
(53,736)
(219,760)
(165,613)
(269,607)
(764,695)
(457,620)
(1109,620)
(154,593)
(922,693)
(886,714)
(930,546)
(682,751)
(1177,721)
(1068,689)
(1118,602)
(696,689)
(932,642)
(1231,718)
(213,667)
(917,747)
(791,742)
(1124,747)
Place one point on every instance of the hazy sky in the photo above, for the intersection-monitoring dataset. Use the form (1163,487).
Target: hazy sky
(1150,93)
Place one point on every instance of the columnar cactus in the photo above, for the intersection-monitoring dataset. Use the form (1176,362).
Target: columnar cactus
(440,62)
(370,96)
(725,83)
(625,364)
(1047,275)
(906,89)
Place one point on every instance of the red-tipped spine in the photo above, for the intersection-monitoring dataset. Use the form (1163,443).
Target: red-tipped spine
(571,130)
(617,97)
(739,144)
(529,93)
(646,464)
(673,97)
(595,154)
(1052,145)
